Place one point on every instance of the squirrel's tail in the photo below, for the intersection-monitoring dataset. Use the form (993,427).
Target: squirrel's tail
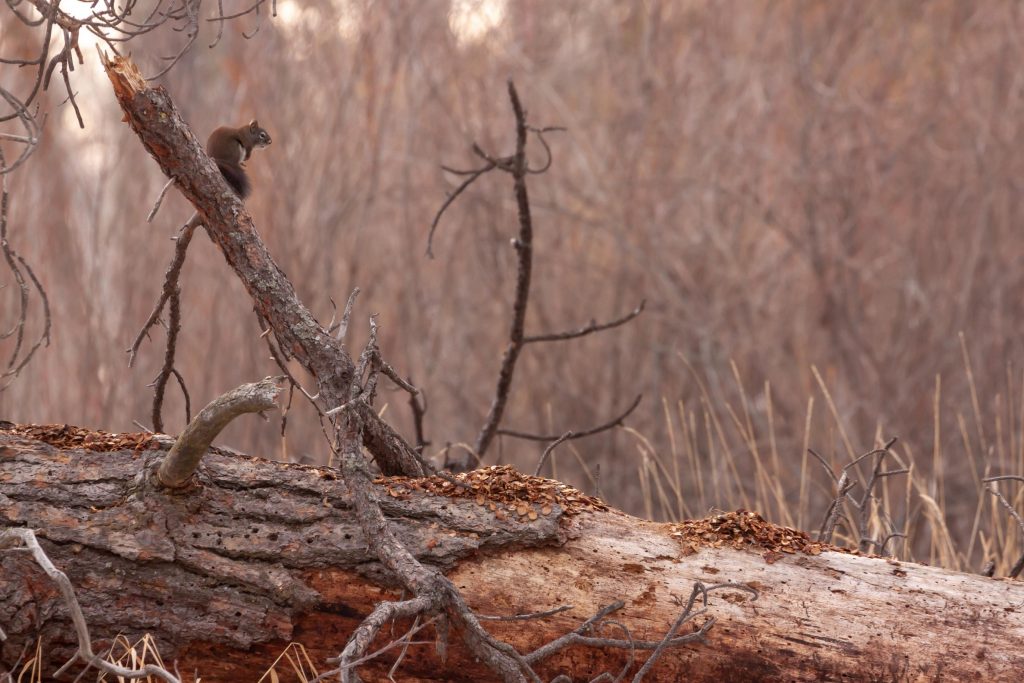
(237,179)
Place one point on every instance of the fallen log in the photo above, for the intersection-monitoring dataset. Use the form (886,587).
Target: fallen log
(225,573)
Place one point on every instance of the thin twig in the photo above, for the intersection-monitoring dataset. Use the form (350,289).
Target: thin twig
(547,451)
(170,282)
(590,328)
(576,434)
(473,175)
(184,392)
(159,201)
(524,259)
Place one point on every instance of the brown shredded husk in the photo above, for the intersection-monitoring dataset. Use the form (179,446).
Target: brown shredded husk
(69,436)
(747,530)
(503,490)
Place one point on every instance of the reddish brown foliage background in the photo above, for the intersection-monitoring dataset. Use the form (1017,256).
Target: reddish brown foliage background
(788,184)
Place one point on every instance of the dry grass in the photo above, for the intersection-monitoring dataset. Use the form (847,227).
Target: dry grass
(724,455)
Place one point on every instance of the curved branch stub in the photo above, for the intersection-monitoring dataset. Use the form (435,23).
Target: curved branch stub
(183,459)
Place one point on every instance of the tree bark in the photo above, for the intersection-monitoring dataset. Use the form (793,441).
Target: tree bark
(259,554)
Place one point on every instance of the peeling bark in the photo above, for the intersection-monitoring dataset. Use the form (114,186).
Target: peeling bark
(225,574)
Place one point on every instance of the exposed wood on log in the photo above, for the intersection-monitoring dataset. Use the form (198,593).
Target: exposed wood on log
(260,554)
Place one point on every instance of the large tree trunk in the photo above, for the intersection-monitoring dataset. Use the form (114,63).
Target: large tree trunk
(225,574)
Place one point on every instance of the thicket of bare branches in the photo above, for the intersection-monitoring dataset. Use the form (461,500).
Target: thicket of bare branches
(789,185)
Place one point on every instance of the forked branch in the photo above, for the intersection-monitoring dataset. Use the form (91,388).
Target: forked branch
(23,274)
(518,167)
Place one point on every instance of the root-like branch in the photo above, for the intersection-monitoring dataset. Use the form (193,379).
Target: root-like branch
(188,450)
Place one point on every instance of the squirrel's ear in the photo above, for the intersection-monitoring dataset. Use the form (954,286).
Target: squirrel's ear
(253,125)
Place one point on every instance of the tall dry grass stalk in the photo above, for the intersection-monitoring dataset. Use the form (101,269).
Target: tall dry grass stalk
(715,459)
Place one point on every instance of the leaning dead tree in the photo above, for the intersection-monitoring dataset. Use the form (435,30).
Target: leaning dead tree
(57,31)
(259,554)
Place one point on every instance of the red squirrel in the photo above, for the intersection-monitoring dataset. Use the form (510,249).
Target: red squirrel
(231,148)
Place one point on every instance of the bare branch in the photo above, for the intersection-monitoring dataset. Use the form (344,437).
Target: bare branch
(524,258)
(345,316)
(585,634)
(184,456)
(278,356)
(516,165)
(576,434)
(590,328)
(547,452)
(173,328)
(368,629)
(29,141)
(418,405)
(170,282)
(20,269)
(433,590)
(393,375)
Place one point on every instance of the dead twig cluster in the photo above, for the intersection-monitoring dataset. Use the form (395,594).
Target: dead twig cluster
(992,486)
(866,506)
(170,296)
